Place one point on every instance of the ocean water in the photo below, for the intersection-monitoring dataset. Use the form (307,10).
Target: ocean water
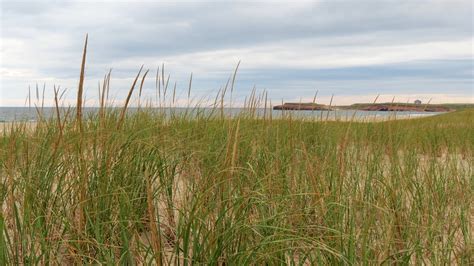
(9,114)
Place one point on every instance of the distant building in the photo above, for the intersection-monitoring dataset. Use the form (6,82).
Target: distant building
(417,102)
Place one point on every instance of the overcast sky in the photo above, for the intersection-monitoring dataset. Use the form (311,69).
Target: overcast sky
(416,49)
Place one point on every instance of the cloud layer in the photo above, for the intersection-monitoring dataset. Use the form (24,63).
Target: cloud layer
(353,49)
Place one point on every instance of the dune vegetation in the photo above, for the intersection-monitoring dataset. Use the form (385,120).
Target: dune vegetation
(195,187)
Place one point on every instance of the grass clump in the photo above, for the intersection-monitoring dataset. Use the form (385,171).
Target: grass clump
(241,191)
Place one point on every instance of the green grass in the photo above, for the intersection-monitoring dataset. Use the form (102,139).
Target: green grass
(192,188)
(238,191)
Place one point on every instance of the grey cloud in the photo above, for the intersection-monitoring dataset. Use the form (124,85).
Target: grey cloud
(50,36)
(171,29)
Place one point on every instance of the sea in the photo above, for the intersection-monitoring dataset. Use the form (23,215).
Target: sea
(31,114)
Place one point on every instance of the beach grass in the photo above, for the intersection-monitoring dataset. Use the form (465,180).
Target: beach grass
(154,187)
(237,191)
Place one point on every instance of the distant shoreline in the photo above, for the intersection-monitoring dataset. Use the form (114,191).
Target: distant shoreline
(318,113)
(5,125)
(379,107)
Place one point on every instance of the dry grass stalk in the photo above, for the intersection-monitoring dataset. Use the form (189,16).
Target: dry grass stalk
(80,89)
(141,88)
(130,92)
(330,105)
(189,87)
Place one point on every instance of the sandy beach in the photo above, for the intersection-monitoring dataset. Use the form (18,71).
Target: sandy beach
(6,126)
